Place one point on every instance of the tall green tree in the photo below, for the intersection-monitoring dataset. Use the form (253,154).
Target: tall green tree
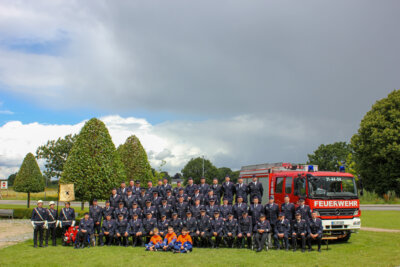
(328,157)
(194,169)
(135,160)
(11,179)
(377,145)
(55,154)
(93,166)
(29,178)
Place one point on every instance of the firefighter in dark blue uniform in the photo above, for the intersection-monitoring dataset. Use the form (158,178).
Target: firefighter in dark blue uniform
(149,208)
(162,225)
(212,208)
(239,207)
(189,189)
(121,210)
(121,231)
(191,224)
(245,230)
(195,209)
(256,209)
(203,228)
(217,227)
(165,187)
(262,228)
(39,223)
(181,208)
(135,230)
(242,190)
(217,190)
(271,211)
(203,187)
(197,196)
(165,209)
(135,210)
(288,208)
(85,230)
(122,190)
(107,210)
(255,189)
(107,230)
(149,223)
(225,209)
(129,198)
(304,210)
(170,198)
(96,213)
(299,231)
(281,231)
(176,223)
(52,224)
(230,230)
(115,198)
(66,217)
(177,188)
(315,231)
(136,189)
(228,189)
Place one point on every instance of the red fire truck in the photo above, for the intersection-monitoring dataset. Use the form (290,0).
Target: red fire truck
(332,194)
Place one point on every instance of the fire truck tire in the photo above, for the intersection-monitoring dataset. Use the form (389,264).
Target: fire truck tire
(346,238)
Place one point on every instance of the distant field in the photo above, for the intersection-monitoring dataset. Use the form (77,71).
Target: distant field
(380,219)
(51,194)
(363,249)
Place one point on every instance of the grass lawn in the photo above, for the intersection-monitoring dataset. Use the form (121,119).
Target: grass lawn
(380,219)
(364,248)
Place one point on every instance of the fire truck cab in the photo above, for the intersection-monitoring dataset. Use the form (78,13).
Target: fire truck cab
(332,194)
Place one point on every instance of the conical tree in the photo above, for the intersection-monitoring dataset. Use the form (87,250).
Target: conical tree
(93,165)
(135,160)
(29,177)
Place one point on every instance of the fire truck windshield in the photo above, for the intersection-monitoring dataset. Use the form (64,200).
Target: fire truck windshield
(331,187)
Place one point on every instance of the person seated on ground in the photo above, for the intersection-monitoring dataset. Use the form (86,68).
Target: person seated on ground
(184,242)
(169,240)
(85,230)
(155,241)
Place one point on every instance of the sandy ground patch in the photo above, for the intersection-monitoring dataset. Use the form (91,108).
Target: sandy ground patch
(14,231)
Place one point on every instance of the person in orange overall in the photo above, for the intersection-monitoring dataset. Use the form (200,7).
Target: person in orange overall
(155,241)
(184,242)
(169,240)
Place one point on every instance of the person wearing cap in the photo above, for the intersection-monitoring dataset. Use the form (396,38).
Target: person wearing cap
(299,230)
(181,208)
(96,213)
(121,231)
(281,231)
(121,210)
(195,209)
(39,222)
(210,196)
(142,198)
(271,211)
(203,186)
(115,198)
(136,189)
(184,242)
(107,230)
(122,189)
(166,186)
(212,208)
(315,230)
(189,189)
(203,228)
(129,198)
(239,207)
(169,239)
(191,224)
(217,190)
(304,210)
(230,230)
(156,200)
(262,229)
(256,209)
(177,188)
(108,210)
(170,198)
(163,225)
(217,229)
(165,209)
(149,223)
(181,193)
(242,190)
(149,208)
(255,189)
(135,229)
(196,196)
(228,189)
(245,230)
(85,230)
(176,222)
(131,185)
(52,223)
(66,217)
(225,209)
(288,208)
(135,210)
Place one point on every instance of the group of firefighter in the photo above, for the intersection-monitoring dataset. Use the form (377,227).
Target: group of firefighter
(141,216)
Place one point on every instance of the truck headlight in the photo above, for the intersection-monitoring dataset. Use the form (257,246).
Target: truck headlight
(357,222)
(355,212)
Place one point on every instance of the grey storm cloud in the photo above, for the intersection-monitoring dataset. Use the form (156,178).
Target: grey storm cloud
(264,80)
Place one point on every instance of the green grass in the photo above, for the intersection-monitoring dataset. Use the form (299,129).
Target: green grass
(380,219)
(365,248)
(51,194)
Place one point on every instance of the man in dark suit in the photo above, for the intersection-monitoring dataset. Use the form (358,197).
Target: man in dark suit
(228,189)
(255,189)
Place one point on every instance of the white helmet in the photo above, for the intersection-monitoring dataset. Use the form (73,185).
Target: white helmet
(51,203)
(40,201)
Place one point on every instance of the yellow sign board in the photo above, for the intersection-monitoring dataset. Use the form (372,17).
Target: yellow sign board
(67,192)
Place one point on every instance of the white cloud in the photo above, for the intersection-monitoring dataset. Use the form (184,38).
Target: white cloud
(230,142)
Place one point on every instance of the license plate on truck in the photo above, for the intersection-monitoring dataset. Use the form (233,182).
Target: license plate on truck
(337,222)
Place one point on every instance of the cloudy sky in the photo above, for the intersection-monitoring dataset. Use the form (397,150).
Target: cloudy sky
(240,82)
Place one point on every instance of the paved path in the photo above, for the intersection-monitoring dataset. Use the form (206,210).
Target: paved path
(372,229)
(14,231)
(379,207)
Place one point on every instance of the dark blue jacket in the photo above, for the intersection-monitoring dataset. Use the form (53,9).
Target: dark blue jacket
(86,225)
